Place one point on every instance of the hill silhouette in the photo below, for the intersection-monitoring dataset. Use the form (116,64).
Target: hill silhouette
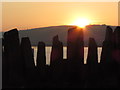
(46,34)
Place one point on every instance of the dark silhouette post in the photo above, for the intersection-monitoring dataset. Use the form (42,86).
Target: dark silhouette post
(5,69)
(27,53)
(92,52)
(108,64)
(41,55)
(80,45)
(116,52)
(41,64)
(75,54)
(27,57)
(75,44)
(56,61)
(92,64)
(57,50)
(116,42)
(12,63)
(71,42)
(106,55)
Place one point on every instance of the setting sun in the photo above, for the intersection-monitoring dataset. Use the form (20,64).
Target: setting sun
(81,22)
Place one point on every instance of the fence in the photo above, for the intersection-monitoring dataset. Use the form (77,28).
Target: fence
(19,70)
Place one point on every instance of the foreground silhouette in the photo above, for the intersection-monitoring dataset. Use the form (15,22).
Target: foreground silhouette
(19,70)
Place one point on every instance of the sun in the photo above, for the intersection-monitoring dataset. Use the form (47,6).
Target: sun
(81,22)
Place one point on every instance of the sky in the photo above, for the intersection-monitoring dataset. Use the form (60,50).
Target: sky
(27,15)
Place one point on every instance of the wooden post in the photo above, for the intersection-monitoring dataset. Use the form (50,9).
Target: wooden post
(92,64)
(27,54)
(92,52)
(108,64)
(29,66)
(116,53)
(116,41)
(41,55)
(56,62)
(13,63)
(57,50)
(106,55)
(75,54)
(42,71)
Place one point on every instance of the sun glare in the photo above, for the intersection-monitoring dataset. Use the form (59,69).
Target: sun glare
(81,22)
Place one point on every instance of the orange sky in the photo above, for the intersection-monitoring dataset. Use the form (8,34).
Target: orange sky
(26,15)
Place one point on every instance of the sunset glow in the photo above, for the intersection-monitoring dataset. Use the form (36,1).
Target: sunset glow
(81,22)
(28,15)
